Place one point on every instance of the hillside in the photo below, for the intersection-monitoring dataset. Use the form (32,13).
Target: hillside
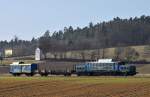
(114,33)
(141,68)
(144,69)
(97,53)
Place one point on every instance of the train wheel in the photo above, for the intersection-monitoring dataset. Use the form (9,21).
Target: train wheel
(32,74)
(14,74)
(28,75)
(46,74)
(41,74)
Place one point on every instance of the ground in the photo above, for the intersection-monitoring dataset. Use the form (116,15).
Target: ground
(74,87)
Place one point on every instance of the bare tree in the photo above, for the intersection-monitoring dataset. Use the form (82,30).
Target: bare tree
(118,53)
(82,54)
(93,55)
(131,54)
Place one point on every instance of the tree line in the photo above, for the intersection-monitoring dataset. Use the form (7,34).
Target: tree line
(114,33)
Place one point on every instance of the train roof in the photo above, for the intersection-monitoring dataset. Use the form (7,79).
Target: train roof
(104,61)
(101,62)
(19,63)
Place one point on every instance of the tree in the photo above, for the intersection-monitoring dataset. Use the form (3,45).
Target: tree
(146,51)
(93,55)
(104,40)
(82,54)
(131,54)
(16,40)
(115,33)
(119,53)
(1,58)
(45,43)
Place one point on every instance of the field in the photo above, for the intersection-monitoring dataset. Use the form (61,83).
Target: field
(74,87)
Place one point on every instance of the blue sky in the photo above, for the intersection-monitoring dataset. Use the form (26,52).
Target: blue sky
(31,18)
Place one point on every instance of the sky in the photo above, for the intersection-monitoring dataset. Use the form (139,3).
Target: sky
(31,18)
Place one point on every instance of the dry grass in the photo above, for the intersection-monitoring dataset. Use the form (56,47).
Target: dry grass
(109,53)
(144,69)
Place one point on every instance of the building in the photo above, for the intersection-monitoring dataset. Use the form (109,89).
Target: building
(8,52)
(37,54)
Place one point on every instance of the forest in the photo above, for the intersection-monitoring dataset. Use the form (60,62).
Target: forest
(114,33)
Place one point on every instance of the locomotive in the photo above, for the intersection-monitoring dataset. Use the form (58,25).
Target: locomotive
(100,67)
(105,67)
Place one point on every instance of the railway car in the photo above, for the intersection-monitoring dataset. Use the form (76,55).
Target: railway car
(57,68)
(105,67)
(17,68)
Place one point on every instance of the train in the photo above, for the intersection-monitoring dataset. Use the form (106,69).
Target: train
(94,68)
(105,67)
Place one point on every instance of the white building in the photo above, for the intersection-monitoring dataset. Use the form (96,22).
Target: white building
(8,52)
(38,54)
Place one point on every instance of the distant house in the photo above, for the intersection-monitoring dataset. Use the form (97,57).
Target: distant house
(8,52)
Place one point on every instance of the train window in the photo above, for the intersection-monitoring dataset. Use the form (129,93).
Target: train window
(122,68)
(103,65)
(94,64)
(100,64)
(97,64)
(110,64)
